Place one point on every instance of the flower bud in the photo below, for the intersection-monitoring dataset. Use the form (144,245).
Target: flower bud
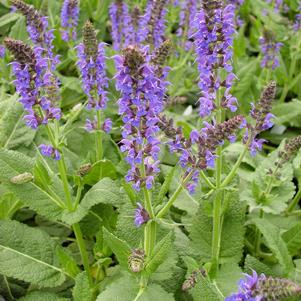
(22,178)
(136,260)
(84,169)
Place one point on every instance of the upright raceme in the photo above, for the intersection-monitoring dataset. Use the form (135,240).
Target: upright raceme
(152,24)
(37,27)
(91,62)
(35,84)
(213,43)
(187,23)
(270,50)
(262,288)
(69,19)
(140,104)
(123,31)
(262,116)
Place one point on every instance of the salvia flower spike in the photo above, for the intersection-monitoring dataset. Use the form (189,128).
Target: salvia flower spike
(140,104)
(69,19)
(291,148)
(91,63)
(261,114)
(213,43)
(263,288)
(37,27)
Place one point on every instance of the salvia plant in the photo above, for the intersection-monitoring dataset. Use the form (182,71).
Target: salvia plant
(150,150)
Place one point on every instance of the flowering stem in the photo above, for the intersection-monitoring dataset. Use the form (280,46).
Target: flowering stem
(149,237)
(206,179)
(99,151)
(83,251)
(294,202)
(75,227)
(233,172)
(167,206)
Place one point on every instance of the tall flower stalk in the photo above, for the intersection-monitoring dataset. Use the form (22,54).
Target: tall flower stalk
(91,62)
(37,93)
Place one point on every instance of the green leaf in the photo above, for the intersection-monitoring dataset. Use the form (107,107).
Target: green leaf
(275,243)
(42,296)
(106,191)
(166,185)
(120,248)
(13,130)
(28,254)
(288,113)
(232,238)
(252,263)
(126,289)
(14,163)
(159,254)
(67,262)
(292,238)
(82,290)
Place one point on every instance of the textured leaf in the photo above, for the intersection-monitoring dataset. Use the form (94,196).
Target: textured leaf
(292,238)
(232,233)
(13,130)
(82,289)
(275,243)
(252,263)
(42,296)
(105,191)
(28,254)
(127,288)
(159,254)
(14,163)
(120,248)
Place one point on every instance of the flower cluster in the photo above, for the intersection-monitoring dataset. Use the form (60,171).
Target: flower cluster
(152,24)
(140,104)
(35,84)
(91,62)
(262,288)
(213,43)
(205,141)
(141,215)
(270,50)
(187,25)
(69,19)
(261,113)
(136,260)
(123,32)
(37,27)
(50,151)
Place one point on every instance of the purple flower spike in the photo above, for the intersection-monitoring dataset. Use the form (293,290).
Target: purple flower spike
(261,288)
(141,215)
(141,102)
(69,19)
(270,49)
(215,25)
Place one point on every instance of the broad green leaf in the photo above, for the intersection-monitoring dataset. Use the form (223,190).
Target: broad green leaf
(106,191)
(127,289)
(14,163)
(252,263)
(120,248)
(292,238)
(275,243)
(13,131)
(28,254)
(288,113)
(8,18)
(82,290)
(67,262)
(42,296)
(232,237)
(159,254)
(165,186)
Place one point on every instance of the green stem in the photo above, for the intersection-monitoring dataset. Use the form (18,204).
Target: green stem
(83,252)
(207,180)
(63,174)
(233,172)
(149,237)
(99,148)
(175,195)
(294,202)
(148,203)
(258,237)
